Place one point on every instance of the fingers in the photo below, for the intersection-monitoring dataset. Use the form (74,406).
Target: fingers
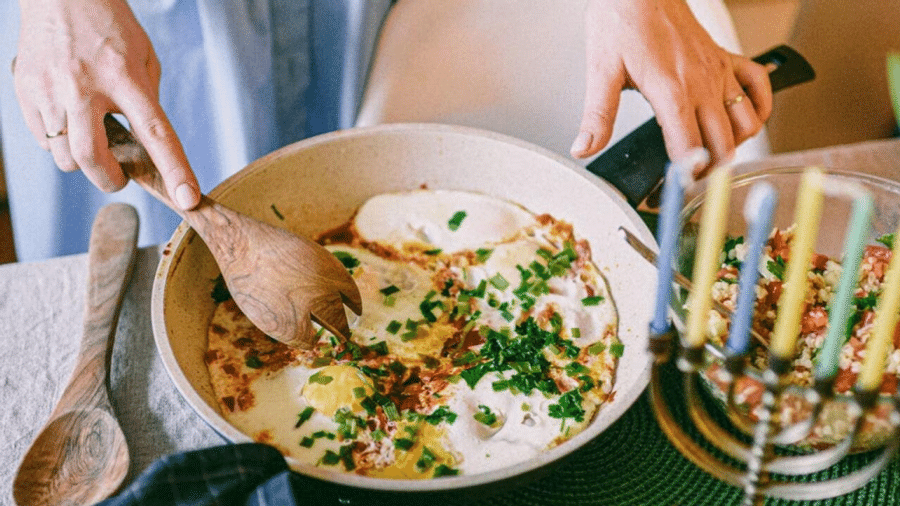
(754,79)
(90,149)
(601,101)
(152,128)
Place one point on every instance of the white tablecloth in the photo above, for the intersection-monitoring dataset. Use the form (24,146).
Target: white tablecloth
(41,310)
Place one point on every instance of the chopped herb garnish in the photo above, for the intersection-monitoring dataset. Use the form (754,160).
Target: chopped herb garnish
(592,301)
(277,212)
(323,434)
(456,220)
(304,415)
(322,379)
(869,301)
(441,414)
(730,244)
(404,443)
(576,332)
(482,254)
(426,460)
(389,301)
(887,240)
(321,362)
(569,406)
(380,348)
(617,349)
(485,416)
(307,442)
(432,252)
(394,327)
(776,267)
(349,261)
(444,470)
(596,348)
(573,368)
(359,392)
(253,362)
(499,282)
(389,290)
(220,292)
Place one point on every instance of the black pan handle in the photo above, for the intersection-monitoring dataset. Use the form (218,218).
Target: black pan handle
(637,163)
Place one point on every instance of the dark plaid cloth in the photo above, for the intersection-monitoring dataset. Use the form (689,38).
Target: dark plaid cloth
(239,474)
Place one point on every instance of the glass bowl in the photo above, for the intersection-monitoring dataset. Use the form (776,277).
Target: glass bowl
(835,422)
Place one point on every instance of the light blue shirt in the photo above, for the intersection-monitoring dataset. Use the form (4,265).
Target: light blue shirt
(239,80)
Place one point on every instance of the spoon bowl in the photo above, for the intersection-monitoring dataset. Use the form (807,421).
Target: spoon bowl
(281,281)
(80,457)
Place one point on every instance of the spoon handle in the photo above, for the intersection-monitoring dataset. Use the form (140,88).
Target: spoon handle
(111,256)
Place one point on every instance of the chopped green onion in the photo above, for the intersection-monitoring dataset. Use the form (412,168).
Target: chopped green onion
(499,282)
(394,326)
(456,220)
(304,415)
(482,254)
(253,362)
(592,301)
(322,379)
(444,470)
(617,349)
(349,261)
(307,442)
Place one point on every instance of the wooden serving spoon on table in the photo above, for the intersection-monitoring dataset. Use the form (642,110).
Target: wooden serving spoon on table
(80,456)
(278,279)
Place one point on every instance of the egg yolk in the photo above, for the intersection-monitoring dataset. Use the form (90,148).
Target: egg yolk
(337,386)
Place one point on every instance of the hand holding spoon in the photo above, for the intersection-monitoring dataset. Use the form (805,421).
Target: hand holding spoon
(80,456)
(279,280)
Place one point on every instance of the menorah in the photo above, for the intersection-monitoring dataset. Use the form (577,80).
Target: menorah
(746,455)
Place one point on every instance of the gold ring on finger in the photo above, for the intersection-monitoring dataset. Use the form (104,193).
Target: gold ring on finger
(58,133)
(736,100)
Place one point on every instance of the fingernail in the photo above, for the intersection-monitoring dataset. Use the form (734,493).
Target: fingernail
(581,144)
(186,196)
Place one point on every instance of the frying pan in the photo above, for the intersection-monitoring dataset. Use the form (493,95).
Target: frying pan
(316,184)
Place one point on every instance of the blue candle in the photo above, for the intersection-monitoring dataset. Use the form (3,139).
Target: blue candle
(758,209)
(667,234)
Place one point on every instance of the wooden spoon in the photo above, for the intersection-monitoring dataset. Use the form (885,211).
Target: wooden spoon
(80,456)
(278,279)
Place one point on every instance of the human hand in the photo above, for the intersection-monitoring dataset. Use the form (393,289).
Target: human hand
(78,60)
(698,90)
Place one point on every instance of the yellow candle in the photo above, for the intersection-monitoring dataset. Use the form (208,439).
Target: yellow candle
(807,213)
(710,239)
(885,321)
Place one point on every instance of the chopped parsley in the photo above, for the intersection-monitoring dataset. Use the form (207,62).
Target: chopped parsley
(456,220)
(730,244)
(776,267)
(569,406)
(253,362)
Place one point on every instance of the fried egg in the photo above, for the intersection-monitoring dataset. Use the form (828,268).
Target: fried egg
(487,336)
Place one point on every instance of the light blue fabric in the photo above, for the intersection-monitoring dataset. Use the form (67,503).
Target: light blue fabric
(240,79)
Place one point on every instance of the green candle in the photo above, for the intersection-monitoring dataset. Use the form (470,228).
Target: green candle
(841,303)
(886,315)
